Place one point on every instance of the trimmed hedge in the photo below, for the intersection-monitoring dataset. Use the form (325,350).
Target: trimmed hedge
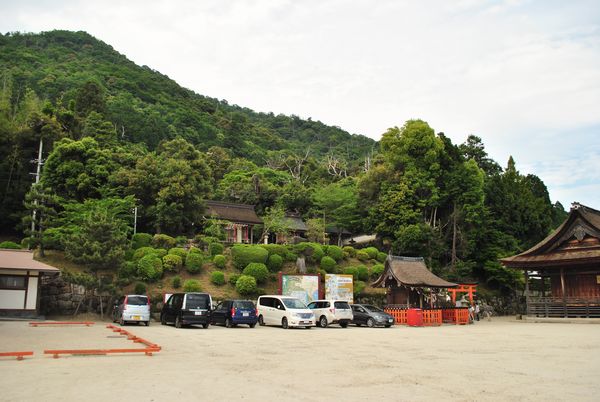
(219,260)
(193,262)
(178,251)
(377,270)
(246,285)
(275,262)
(381,257)
(359,287)
(328,264)
(215,248)
(172,263)
(139,289)
(218,278)
(258,271)
(275,249)
(143,251)
(351,271)
(244,254)
(149,267)
(233,279)
(372,252)
(335,252)
(362,255)
(362,273)
(351,251)
(192,285)
(163,241)
(139,240)
(312,251)
(10,245)
(176,282)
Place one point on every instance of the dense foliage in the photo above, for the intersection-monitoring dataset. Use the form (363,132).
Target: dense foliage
(116,136)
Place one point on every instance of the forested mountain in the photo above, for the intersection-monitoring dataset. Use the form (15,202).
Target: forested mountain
(117,135)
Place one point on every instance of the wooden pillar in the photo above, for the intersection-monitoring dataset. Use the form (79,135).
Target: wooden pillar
(526,292)
(407,297)
(562,286)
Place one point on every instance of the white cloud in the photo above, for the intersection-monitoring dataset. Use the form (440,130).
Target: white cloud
(523,75)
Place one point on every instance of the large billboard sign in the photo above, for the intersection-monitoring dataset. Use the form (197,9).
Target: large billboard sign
(339,287)
(303,287)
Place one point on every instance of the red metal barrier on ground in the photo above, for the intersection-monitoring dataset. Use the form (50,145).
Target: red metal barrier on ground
(132,337)
(57,353)
(43,323)
(432,318)
(398,314)
(459,316)
(18,355)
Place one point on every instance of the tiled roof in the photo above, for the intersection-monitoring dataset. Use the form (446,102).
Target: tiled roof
(23,260)
(240,213)
(410,271)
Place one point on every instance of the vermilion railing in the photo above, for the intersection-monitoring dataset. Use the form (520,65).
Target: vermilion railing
(18,355)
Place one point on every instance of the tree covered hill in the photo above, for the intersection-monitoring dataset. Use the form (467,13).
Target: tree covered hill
(147,106)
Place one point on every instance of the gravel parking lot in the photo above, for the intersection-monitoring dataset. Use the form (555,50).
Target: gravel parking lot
(499,360)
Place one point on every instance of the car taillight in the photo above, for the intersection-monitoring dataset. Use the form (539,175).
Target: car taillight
(125,304)
(256,311)
(233,312)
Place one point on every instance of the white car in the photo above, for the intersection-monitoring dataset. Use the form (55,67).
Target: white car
(285,311)
(331,312)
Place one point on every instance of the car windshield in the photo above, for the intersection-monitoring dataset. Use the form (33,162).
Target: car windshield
(244,304)
(373,309)
(137,300)
(294,303)
(341,305)
(194,301)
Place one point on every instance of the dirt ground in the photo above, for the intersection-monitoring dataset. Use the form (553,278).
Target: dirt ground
(499,360)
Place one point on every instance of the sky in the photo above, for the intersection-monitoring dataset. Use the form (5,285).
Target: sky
(522,75)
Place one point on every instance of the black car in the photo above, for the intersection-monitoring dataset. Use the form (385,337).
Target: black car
(233,312)
(371,316)
(187,309)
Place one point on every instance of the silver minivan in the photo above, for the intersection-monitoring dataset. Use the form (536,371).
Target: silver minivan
(132,308)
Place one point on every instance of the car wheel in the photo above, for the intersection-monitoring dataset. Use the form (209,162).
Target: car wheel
(205,325)
(323,322)
(357,324)
(309,327)
(370,323)
(162,320)
(228,323)
(147,323)
(388,325)
(343,324)
(252,325)
(284,323)
(261,321)
(178,322)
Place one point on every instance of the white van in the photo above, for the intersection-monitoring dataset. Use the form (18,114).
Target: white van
(285,311)
(132,308)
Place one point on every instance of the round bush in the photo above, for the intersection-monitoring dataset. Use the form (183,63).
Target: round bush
(312,251)
(192,285)
(176,282)
(215,248)
(149,267)
(359,286)
(335,252)
(10,245)
(163,241)
(362,255)
(244,254)
(258,271)
(372,252)
(195,250)
(233,279)
(362,273)
(143,251)
(381,257)
(291,257)
(351,271)
(172,263)
(328,264)
(219,260)
(246,285)
(277,249)
(275,262)
(139,288)
(140,240)
(377,270)
(193,262)
(351,251)
(128,269)
(218,278)
(178,251)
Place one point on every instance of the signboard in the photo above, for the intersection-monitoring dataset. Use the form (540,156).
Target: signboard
(339,287)
(303,287)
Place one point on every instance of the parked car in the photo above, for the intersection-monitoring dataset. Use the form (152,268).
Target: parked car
(233,312)
(371,316)
(187,309)
(285,311)
(132,308)
(331,312)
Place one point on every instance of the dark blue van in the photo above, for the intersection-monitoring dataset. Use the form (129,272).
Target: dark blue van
(233,312)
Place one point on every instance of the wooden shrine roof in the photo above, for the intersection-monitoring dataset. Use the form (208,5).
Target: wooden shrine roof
(575,242)
(410,271)
(236,213)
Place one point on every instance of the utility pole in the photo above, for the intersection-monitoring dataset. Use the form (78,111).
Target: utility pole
(37,180)
(134,219)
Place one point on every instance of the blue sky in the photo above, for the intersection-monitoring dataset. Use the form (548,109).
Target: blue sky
(522,75)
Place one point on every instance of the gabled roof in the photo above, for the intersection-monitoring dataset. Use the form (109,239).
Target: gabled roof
(236,213)
(295,223)
(22,260)
(576,241)
(410,271)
